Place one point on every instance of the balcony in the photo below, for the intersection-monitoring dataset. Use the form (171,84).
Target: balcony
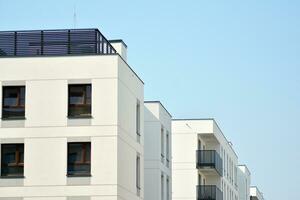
(209,162)
(54,43)
(209,192)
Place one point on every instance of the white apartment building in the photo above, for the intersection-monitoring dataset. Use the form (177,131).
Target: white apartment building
(158,151)
(72,118)
(244,181)
(204,162)
(255,193)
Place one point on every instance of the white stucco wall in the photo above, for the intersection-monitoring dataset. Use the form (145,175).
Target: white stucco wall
(185,143)
(157,117)
(255,192)
(185,174)
(121,48)
(46,130)
(244,181)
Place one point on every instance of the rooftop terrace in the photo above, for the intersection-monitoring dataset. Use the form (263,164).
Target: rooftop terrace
(53,43)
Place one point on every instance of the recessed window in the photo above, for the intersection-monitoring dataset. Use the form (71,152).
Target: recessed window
(162,187)
(138,175)
(12,160)
(162,144)
(80,100)
(79,159)
(13,104)
(138,120)
(168,188)
(199,144)
(168,149)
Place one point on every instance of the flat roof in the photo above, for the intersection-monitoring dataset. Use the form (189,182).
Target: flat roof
(207,119)
(56,43)
(257,190)
(243,165)
(158,102)
(118,41)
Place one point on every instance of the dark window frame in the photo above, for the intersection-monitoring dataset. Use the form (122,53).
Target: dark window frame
(83,161)
(19,149)
(6,114)
(86,104)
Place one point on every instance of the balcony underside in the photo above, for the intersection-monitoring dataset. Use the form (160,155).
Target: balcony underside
(208,171)
(209,138)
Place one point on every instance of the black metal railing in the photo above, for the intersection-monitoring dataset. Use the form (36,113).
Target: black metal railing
(54,42)
(253,198)
(209,159)
(209,192)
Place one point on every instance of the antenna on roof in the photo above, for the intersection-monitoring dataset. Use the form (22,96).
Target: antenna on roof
(74,16)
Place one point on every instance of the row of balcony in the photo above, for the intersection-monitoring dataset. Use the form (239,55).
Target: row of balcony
(210,163)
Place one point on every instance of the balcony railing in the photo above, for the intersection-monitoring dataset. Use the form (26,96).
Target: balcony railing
(209,192)
(209,159)
(53,42)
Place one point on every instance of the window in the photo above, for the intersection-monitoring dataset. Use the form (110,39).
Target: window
(199,179)
(199,144)
(235,176)
(224,191)
(230,171)
(162,146)
(12,160)
(162,186)
(224,163)
(167,149)
(227,163)
(80,99)
(138,120)
(13,104)
(138,174)
(168,189)
(79,158)
(227,196)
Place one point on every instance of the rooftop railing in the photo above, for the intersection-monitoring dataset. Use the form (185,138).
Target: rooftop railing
(54,42)
(209,159)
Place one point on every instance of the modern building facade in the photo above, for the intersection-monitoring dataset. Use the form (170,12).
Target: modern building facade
(204,162)
(255,193)
(74,126)
(72,118)
(158,151)
(244,181)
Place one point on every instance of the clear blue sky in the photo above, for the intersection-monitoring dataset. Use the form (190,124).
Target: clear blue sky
(237,61)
